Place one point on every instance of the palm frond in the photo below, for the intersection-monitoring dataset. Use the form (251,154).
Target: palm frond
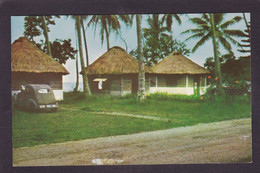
(195,36)
(232,40)
(234,33)
(225,43)
(230,22)
(198,21)
(201,42)
(218,18)
(193,31)
(177,18)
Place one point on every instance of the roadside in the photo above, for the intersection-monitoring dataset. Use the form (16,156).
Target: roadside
(219,142)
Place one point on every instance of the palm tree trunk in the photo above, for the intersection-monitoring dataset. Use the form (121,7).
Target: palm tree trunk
(77,65)
(141,74)
(77,74)
(247,24)
(84,75)
(107,37)
(45,32)
(85,40)
(217,63)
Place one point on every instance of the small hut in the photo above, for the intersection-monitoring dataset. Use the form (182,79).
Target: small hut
(30,65)
(115,73)
(176,74)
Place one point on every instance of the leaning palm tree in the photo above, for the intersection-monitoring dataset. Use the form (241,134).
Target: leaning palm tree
(141,78)
(107,24)
(86,88)
(214,27)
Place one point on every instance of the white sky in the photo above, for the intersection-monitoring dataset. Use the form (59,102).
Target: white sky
(65,28)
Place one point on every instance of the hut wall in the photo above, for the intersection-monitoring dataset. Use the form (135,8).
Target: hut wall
(22,78)
(117,85)
(52,79)
(176,84)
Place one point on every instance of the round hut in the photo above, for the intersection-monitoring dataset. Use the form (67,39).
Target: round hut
(115,73)
(176,74)
(30,65)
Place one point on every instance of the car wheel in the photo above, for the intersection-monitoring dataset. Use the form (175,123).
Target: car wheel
(32,105)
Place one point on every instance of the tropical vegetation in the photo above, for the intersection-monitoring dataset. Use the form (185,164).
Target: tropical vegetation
(214,27)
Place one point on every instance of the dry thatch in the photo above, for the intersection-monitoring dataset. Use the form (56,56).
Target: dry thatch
(26,57)
(176,63)
(115,61)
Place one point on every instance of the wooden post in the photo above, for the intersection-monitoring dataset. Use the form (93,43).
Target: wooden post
(187,83)
(156,81)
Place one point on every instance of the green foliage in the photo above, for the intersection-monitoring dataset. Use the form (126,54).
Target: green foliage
(33,25)
(224,36)
(236,75)
(158,42)
(61,50)
(108,24)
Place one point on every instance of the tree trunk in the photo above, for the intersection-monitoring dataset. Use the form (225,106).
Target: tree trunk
(107,37)
(247,24)
(85,40)
(77,75)
(217,63)
(45,32)
(141,74)
(84,75)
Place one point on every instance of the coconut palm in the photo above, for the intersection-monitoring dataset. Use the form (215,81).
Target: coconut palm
(107,24)
(82,18)
(214,27)
(141,80)
(86,88)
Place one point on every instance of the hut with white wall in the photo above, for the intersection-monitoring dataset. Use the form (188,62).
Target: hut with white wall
(30,65)
(176,74)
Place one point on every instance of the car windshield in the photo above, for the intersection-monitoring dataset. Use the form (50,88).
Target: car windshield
(43,90)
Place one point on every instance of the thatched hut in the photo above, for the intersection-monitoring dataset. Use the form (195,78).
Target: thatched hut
(32,65)
(115,73)
(176,74)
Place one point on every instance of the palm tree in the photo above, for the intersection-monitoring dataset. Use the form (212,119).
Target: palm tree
(107,24)
(141,78)
(86,88)
(82,18)
(214,27)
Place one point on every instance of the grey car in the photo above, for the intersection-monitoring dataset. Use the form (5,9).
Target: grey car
(36,97)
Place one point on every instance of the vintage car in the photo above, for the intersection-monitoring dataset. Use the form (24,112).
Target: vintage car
(36,97)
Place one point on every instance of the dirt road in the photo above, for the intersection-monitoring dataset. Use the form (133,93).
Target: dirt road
(220,142)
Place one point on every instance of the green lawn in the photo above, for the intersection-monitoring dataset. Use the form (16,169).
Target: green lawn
(83,123)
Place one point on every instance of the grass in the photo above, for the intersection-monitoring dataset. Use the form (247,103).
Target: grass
(83,123)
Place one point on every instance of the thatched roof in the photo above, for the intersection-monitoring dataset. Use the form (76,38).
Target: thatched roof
(176,63)
(26,57)
(115,61)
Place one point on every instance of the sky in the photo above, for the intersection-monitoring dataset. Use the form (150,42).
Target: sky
(65,29)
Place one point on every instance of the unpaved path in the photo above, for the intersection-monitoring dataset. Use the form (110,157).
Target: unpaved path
(124,114)
(220,142)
